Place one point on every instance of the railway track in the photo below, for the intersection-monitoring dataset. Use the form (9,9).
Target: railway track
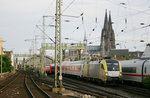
(93,88)
(21,86)
(15,87)
(7,82)
(135,90)
(132,91)
(85,88)
(34,90)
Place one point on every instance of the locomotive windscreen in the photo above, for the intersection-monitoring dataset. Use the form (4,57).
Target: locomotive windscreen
(47,67)
(112,65)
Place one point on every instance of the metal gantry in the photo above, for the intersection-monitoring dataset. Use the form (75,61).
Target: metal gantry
(16,56)
(43,42)
(67,46)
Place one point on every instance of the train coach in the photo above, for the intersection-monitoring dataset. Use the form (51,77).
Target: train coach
(106,70)
(50,69)
(135,70)
(73,68)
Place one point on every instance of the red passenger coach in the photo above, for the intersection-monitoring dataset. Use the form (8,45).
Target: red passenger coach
(73,68)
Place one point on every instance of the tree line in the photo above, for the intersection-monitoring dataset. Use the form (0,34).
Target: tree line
(6,64)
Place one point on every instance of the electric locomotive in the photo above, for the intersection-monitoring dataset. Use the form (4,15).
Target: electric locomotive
(106,70)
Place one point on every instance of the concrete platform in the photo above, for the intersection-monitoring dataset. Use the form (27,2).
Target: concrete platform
(67,93)
(58,90)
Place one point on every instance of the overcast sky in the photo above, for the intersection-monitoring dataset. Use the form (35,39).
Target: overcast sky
(18,20)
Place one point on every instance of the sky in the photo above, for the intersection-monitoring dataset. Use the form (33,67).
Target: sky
(19,20)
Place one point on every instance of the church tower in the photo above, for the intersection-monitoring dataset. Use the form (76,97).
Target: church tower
(107,36)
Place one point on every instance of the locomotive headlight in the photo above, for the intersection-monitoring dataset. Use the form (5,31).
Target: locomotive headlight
(106,73)
(120,73)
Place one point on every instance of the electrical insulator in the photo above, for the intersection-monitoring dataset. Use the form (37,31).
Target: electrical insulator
(61,2)
(96,19)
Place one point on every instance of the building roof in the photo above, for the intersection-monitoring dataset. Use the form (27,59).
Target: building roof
(94,48)
(120,52)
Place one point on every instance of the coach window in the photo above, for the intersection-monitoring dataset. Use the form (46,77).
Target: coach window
(129,69)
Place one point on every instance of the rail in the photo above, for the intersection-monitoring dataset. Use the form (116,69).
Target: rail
(6,85)
(40,88)
(30,83)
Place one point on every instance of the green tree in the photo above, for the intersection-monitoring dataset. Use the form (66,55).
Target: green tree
(146,82)
(127,58)
(6,62)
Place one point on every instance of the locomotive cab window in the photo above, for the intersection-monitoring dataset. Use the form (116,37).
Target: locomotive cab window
(112,65)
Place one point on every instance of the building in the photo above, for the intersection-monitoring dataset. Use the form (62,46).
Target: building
(10,55)
(135,54)
(107,45)
(93,50)
(119,52)
(123,53)
(107,36)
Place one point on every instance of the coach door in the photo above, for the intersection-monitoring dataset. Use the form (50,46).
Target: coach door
(144,69)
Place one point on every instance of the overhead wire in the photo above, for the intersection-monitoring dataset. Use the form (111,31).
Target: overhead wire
(68,6)
(82,19)
(61,13)
(124,6)
(125,19)
(49,7)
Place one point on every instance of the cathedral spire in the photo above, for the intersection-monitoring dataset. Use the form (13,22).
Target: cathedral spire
(112,37)
(106,20)
(107,36)
(110,22)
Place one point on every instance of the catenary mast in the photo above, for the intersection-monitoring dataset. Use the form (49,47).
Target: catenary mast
(58,49)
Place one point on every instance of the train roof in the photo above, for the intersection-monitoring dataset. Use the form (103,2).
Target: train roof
(146,54)
(74,62)
(111,61)
(132,63)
